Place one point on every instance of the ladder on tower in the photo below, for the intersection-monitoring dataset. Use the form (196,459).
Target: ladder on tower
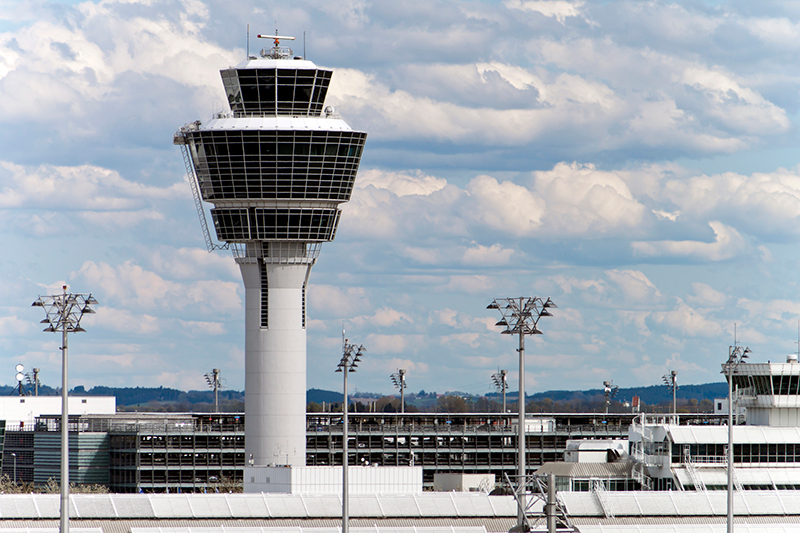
(180,139)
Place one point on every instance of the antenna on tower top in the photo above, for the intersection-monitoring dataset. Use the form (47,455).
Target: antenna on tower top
(276,52)
(248,42)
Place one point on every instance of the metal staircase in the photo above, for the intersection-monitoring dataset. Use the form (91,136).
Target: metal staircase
(599,489)
(691,469)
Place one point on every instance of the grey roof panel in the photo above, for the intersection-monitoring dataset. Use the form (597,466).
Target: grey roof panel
(94,506)
(170,505)
(438,504)
(17,506)
(247,505)
(399,505)
(323,505)
(209,506)
(138,505)
(285,506)
(365,505)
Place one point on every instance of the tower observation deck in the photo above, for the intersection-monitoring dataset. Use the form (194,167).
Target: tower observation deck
(276,168)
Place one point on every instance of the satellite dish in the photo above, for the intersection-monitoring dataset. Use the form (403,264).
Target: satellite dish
(19,368)
(20,375)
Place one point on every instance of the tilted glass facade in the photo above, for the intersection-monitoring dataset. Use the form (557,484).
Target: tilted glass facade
(280,224)
(271,91)
(277,165)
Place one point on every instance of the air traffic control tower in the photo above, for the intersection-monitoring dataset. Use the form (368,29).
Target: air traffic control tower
(276,167)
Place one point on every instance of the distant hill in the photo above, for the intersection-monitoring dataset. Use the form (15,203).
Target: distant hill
(162,398)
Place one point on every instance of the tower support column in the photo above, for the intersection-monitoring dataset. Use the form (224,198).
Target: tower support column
(275,362)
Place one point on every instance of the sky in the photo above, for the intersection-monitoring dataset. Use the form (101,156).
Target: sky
(635,161)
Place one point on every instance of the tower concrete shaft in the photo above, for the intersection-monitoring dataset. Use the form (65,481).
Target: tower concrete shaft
(276,167)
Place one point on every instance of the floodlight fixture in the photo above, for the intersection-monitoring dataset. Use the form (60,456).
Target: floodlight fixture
(671,381)
(350,354)
(213,381)
(501,384)
(399,381)
(520,316)
(609,393)
(64,313)
(33,379)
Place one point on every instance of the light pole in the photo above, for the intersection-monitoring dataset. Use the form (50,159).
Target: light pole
(671,381)
(33,380)
(399,380)
(501,384)
(609,393)
(351,355)
(212,378)
(14,455)
(736,355)
(64,312)
(520,316)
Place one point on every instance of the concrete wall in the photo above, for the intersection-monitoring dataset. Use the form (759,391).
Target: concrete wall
(328,479)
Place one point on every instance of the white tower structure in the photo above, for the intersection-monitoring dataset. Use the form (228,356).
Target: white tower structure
(276,167)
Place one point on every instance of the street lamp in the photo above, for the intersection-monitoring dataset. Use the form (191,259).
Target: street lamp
(351,355)
(501,384)
(736,356)
(671,381)
(520,316)
(64,312)
(399,380)
(14,455)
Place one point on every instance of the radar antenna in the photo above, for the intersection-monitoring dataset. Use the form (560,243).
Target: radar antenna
(276,52)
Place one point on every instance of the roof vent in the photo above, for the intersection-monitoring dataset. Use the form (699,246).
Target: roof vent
(791,358)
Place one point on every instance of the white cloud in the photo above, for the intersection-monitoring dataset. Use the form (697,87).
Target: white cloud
(82,188)
(130,285)
(688,321)
(581,199)
(559,9)
(705,296)
(493,255)
(401,183)
(505,206)
(187,263)
(727,244)
(51,70)
(470,284)
(378,343)
(338,301)
(635,286)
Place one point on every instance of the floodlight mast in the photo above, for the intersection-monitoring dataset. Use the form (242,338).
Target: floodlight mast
(276,168)
(736,356)
(609,393)
(64,313)
(212,378)
(501,384)
(671,381)
(520,316)
(399,381)
(351,356)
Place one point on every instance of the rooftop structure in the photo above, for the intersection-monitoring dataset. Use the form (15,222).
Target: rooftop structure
(769,392)
(276,167)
